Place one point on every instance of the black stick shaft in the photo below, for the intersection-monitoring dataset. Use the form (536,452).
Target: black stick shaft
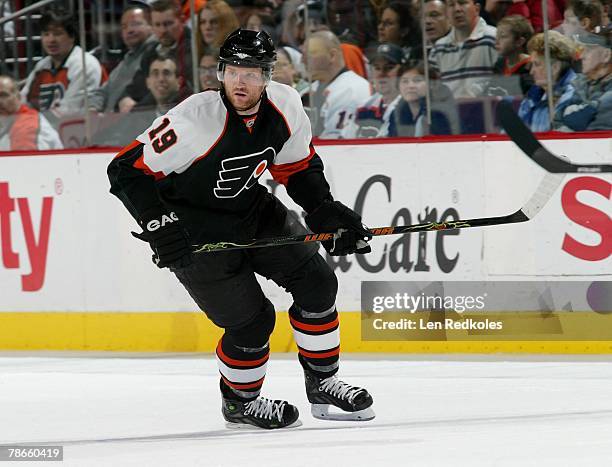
(518,216)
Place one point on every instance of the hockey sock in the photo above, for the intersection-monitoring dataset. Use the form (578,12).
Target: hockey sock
(242,369)
(317,336)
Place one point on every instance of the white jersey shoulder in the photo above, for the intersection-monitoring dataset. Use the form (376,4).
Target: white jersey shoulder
(343,95)
(288,103)
(186,133)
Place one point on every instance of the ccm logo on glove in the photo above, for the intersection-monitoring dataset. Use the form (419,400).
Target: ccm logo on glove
(155,224)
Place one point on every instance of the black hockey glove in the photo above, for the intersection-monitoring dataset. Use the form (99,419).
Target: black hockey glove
(351,235)
(166,237)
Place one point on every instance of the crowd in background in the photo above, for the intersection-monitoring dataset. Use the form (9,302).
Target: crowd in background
(361,67)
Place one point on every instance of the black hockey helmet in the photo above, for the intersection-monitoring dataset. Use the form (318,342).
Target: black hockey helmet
(244,47)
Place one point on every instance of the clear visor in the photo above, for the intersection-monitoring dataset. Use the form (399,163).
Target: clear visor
(246,75)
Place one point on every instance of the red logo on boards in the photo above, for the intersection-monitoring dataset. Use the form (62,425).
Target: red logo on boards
(587,216)
(12,209)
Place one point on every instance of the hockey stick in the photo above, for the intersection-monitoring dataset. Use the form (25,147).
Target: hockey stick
(524,139)
(545,190)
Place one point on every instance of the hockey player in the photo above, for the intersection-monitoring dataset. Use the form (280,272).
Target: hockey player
(192,177)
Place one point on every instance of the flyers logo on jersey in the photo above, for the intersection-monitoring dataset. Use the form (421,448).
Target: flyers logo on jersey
(48,88)
(242,172)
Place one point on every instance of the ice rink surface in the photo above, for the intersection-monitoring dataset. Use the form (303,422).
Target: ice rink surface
(165,411)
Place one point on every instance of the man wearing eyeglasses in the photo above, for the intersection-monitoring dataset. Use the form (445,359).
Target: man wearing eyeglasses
(174,40)
(137,36)
(208,71)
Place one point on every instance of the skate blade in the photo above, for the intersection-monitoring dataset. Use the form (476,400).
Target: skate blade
(249,427)
(321,411)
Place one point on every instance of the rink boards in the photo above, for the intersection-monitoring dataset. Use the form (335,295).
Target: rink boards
(72,277)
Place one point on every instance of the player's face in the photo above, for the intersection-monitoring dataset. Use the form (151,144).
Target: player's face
(243,86)
(57,43)
(167,27)
(163,81)
(436,20)
(134,28)
(208,72)
(9,97)
(411,85)
(209,25)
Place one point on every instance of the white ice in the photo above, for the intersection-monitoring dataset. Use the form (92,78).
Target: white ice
(165,411)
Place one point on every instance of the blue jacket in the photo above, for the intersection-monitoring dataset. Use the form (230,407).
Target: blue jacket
(593,110)
(534,107)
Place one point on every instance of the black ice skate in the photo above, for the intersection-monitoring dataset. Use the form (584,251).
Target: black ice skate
(354,403)
(261,412)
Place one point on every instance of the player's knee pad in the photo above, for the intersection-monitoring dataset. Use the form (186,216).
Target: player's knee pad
(256,333)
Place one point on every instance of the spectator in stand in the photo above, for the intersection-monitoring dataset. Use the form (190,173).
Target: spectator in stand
(371,119)
(589,14)
(594,86)
(512,69)
(336,91)
(253,22)
(285,72)
(465,58)
(137,36)
(208,71)
(352,21)
(436,20)
(409,118)
(530,9)
(570,25)
(8,29)
(607,11)
(398,26)
(215,21)
(21,127)
(174,41)
(164,91)
(55,86)
(534,107)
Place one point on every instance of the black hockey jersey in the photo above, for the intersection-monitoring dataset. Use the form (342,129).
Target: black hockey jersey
(202,162)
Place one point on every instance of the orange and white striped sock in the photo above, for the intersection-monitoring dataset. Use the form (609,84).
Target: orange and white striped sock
(242,369)
(317,336)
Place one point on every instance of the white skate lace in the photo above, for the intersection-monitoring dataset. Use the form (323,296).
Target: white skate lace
(340,389)
(265,408)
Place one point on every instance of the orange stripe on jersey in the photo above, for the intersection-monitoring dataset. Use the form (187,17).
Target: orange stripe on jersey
(232,361)
(313,327)
(128,148)
(140,165)
(331,353)
(254,385)
(282,172)
(281,114)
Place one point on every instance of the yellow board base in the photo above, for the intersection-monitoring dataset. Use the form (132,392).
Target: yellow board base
(193,332)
